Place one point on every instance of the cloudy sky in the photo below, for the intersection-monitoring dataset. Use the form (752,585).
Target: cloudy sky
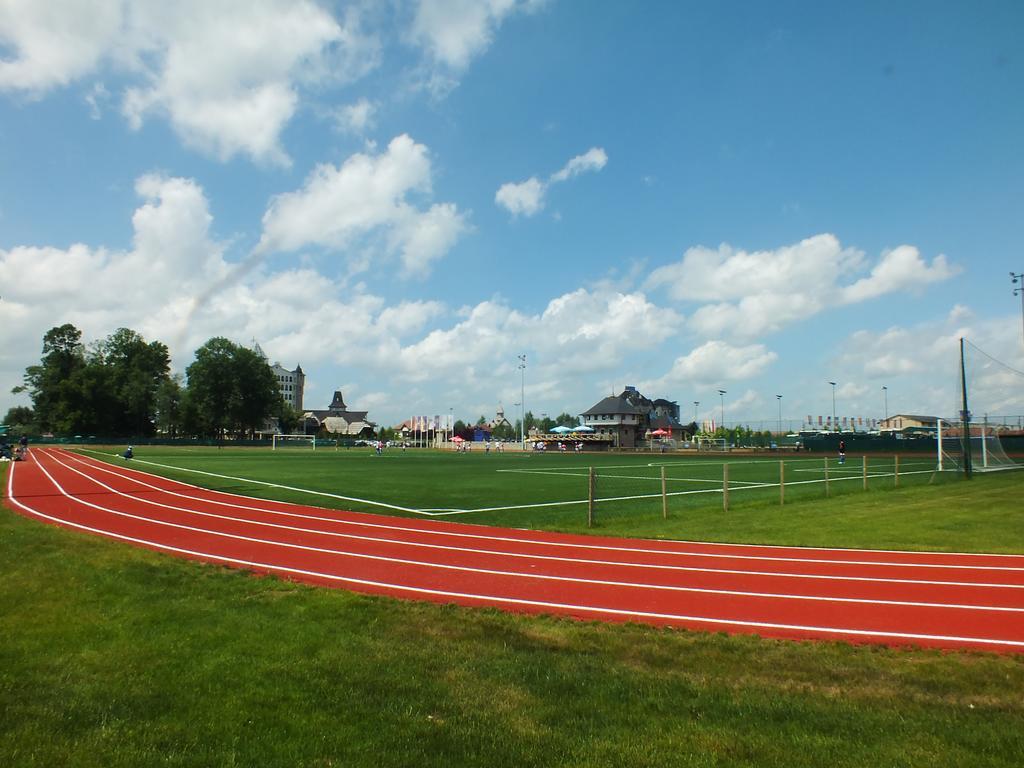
(404,196)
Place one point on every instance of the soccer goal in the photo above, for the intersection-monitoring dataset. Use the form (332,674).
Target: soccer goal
(972,444)
(713,445)
(293,441)
(982,445)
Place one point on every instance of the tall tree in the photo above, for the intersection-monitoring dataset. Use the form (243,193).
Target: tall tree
(136,371)
(20,421)
(169,406)
(53,385)
(231,388)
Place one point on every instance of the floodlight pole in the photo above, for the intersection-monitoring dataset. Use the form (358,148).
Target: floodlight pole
(522,400)
(696,405)
(885,394)
(779,398)
(721,394)
(1019,290)
(835,426)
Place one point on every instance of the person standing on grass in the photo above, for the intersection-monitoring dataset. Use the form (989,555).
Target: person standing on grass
(842,451)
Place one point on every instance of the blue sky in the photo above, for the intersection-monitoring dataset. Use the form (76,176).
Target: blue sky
(403,197)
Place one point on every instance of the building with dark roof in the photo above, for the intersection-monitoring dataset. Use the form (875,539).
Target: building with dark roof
(626,419)
(339,420)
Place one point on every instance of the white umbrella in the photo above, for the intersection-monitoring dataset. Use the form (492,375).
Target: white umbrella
(561,430)
(582,428)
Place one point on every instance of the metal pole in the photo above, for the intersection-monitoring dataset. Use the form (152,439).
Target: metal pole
(835,426)
(885,394)
(779,398)
(1019,278)
(522,401)
(722,393)
(965,416)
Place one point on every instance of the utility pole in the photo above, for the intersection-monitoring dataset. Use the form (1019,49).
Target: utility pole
(835,424)
(522,400)
(1018,279)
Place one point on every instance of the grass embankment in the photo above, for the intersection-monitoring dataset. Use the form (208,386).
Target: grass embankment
(116,656)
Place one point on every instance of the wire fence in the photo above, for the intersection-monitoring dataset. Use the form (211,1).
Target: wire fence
(672,488)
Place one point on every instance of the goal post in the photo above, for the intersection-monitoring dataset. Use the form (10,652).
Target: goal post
(293,441)
(713,445)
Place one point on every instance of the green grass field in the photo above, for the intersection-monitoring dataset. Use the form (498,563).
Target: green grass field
(116,656)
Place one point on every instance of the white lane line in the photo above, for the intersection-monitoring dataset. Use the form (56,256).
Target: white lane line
(485,571)
(640,550)
(545,605)
(490,552)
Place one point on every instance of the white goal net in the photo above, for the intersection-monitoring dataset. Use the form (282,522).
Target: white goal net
(986,450)
(713,445)
(293,441)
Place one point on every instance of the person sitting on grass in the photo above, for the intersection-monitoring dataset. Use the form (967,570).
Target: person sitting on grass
(128,453)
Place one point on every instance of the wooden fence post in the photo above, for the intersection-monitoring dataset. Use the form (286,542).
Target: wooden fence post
(664,496)
(896,472)
(725,487)
(827,490)
(865,471)
(782,482)
(590,499)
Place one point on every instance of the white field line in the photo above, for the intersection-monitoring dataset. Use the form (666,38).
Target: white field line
(501,600)
(424,545)
(571,545)
(467,569)
(451,512)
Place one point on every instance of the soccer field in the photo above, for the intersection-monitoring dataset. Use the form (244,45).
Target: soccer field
(532,489)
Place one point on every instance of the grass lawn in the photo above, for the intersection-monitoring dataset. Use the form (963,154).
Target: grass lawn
(116,656)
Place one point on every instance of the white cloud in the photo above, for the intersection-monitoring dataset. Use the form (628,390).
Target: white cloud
(714,363)
(99,290)
(357,118)
(227,75)
(901,269)
(527,197)
(583,331)
(96,98)
(920,365)
(593,160)
(453,32)
(56,42)
(365,199)
(747,294)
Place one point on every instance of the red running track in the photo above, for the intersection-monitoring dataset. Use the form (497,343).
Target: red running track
(967,601)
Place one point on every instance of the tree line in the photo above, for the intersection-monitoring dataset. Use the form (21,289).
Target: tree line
(122,386)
